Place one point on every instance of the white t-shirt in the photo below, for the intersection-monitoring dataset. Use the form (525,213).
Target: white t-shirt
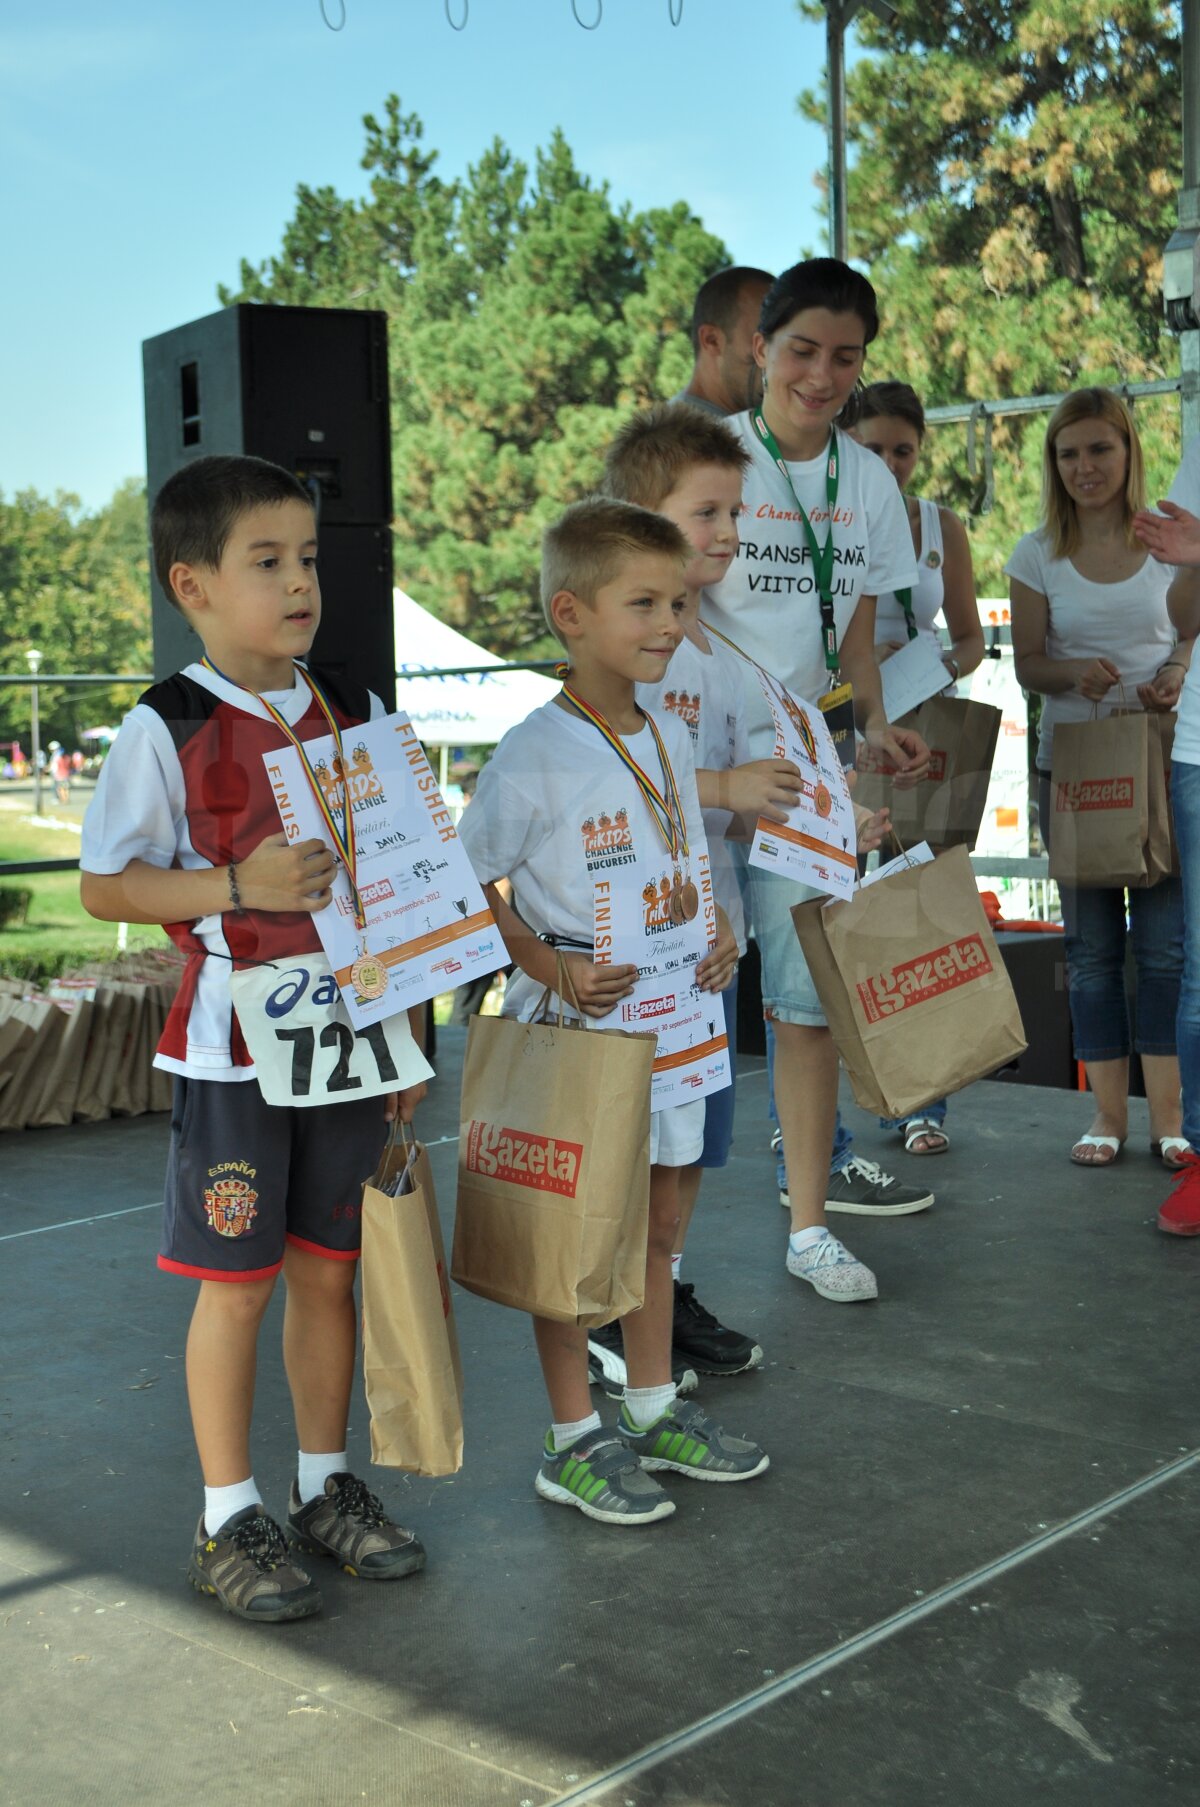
(1186,491)
(1126,622)
(704,690)
(768,603)
(555,808)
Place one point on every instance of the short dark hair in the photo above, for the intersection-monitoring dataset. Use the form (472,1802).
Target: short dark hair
(654,451)
(585,548)
(819,282)
(717,299)
(897,399)
(197,507)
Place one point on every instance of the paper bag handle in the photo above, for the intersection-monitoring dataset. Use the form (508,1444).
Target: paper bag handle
(563,985)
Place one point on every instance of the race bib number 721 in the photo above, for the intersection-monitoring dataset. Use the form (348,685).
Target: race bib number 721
(304,1047)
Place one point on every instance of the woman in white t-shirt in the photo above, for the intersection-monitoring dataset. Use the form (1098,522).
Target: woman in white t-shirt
(1091,632)
(891,423)
(823,530)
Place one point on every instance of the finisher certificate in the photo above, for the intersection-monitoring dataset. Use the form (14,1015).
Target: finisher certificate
(817,845)
(428,927)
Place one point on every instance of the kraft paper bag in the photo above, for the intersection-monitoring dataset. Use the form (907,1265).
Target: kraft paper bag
(1164,845)
(912,984)
(1106,787)
(411,1363)
(554,1167)
(947,807)
(131,1087)
(16,1036)
(55,1103)
(19,1097)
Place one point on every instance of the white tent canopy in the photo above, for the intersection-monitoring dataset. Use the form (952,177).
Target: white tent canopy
(458,712)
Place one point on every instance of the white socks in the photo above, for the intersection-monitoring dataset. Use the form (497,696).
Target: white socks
(312,1472)
(562,1434)
(643,1405)
(220,1503)
(676,1266)
(799,1240)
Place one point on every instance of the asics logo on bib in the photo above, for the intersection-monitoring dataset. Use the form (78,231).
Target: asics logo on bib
(1094,793)
(900,987)
(523,1158)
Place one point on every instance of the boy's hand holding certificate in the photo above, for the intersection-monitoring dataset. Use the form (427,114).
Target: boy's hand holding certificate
(817,844)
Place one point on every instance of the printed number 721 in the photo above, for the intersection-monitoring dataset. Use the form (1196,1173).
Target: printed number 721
(337,1035)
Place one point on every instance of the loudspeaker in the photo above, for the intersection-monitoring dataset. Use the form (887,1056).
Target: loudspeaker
(306,387)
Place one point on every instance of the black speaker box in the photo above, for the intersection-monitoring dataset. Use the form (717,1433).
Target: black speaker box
(307,388)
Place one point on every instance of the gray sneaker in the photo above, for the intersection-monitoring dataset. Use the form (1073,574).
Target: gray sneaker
(348,1523)
(599,1476)
(687,1441)
(832,1271)
(865,1189)
(245,1565)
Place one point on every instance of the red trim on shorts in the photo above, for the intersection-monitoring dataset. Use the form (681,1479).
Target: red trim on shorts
(211,1273)
(315,1248)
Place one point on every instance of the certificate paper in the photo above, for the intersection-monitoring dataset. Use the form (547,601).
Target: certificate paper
(634,927)
(817,845)
(428,924)
(911,676)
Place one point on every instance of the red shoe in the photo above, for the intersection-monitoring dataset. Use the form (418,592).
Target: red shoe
(1180,1216)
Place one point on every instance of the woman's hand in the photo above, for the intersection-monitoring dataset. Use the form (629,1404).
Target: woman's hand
(715,972)
(1173,536)
(906,751)
(885,648)
(874,829)
(1097,679)
(1161,694)
(599,989)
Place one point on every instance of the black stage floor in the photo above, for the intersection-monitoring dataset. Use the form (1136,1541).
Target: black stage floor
(971,1575)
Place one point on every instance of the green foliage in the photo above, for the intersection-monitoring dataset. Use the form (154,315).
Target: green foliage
(1014,177)
(76,586)
(528,315)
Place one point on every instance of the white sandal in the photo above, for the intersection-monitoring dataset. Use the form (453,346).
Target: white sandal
(1172,1151)
(1113,1145)
(916,1127)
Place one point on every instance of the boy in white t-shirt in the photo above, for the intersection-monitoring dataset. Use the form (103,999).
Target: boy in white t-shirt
(558,803)
(183,830)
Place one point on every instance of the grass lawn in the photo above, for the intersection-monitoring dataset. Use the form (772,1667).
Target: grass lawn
(58,932)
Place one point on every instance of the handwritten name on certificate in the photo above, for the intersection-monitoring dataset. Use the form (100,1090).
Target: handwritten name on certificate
(428,927)
(635,925)
(817,845)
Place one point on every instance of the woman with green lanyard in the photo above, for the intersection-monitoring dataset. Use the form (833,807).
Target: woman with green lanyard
(823,531)
(891,423)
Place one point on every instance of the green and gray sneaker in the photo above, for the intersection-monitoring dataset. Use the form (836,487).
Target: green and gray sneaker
(348,1523)
(686,1440)
(246,1566)
(599,1476)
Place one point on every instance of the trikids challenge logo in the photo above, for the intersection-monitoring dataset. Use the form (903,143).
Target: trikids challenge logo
(687,708)
(607,841)
(356,777)
(230,1203)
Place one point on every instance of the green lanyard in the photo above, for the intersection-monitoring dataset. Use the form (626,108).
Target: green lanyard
(904,598)
(822,556)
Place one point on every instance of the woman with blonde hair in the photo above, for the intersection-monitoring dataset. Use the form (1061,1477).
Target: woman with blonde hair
(1092,634)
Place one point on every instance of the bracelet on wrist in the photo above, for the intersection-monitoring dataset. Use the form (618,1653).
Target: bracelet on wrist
(235,896)
(1177,663)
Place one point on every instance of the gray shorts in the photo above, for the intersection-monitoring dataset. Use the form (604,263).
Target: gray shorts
(245,1178)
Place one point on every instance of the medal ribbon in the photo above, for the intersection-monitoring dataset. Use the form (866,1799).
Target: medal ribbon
(821,556)
(343,837)
(667,810)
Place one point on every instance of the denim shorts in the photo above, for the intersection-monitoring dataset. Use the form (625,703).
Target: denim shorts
(789,995)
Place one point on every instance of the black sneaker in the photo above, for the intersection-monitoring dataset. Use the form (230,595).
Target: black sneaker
(348,1523)
(703,1341)
(866,1189)
(246,1566)
(606,1363)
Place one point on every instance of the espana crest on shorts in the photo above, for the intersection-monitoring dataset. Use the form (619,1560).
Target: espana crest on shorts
(231,1205)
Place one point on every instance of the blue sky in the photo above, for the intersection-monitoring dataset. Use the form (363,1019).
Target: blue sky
(148,145)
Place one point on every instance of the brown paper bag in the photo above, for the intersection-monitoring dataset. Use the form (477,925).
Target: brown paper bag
(947,806)
(131,1088)
(912,985)
(411,1362)
(16,1037)
(55,1103)
(18,1098)
(1106,779)
(554,1167)
(1162,729)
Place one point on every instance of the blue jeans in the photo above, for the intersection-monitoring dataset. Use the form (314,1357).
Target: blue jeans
(935,1112)
(1095,922)
(1185,803)
(843,1141)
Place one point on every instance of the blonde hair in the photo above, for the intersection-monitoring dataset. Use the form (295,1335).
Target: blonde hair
(1060,518)
(655,450)
(585,548)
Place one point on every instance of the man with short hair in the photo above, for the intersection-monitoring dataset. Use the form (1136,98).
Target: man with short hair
(725,378)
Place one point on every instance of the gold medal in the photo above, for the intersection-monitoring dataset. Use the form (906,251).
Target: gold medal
(368,975)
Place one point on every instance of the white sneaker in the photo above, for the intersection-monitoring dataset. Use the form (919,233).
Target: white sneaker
(832,1271)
